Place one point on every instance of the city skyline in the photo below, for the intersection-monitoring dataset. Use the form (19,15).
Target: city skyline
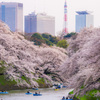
(56,8)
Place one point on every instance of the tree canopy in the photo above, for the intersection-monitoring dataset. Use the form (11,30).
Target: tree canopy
(48,39)
(62,43)
(69,35)
(37,39)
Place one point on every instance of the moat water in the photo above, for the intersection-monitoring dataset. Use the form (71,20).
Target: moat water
(47,94)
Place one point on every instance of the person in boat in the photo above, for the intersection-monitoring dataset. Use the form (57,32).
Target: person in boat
(63,98)
(56,87)
(35,92)
(28,91)
(66,98)
(39,92)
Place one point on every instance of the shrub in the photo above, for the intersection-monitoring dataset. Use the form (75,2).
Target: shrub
(69,35)
(37,39)
(62,43)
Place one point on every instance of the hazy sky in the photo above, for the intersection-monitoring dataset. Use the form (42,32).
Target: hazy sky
(56,8)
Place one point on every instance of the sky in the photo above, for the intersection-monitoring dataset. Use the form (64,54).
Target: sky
(56,8)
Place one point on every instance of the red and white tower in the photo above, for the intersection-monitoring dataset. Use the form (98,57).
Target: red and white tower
(65,18)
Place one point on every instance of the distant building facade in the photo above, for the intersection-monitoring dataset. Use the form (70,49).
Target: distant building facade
(83,19)
(40,23)
(12,14)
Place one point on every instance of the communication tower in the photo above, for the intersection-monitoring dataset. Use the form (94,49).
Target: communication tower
(65,18)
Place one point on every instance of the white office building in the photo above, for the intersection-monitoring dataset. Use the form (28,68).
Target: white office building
(40,23)
(83,19)
(12,14)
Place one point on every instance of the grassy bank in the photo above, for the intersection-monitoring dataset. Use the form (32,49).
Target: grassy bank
(90,95)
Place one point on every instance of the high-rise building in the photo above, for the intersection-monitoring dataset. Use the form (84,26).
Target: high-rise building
(83,19)
(40,23)
(12,14)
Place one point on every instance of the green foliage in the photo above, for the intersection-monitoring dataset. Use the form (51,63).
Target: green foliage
(82,87)
(51,38)
(87,97)
(2,68)
(71,92)
(48,39)
(41,82)
(90,95)
(54,40)
(69,35)
(93,92)
(37,35)
(5,82)
(38,39)
(25,78)
(2,62)
(62,43)
(48,42)
(47,36)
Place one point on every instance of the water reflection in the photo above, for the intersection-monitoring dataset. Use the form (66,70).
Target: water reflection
(47,94)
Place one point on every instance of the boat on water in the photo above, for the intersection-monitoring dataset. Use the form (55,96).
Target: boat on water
(35,88)
(56,89)
(5,92)
(28,93)
(64,86)
(59,86)
(37,94)
(66,99)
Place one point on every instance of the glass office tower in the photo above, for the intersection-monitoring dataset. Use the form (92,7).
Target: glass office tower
(83,19)
(12,14)
(40,23)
